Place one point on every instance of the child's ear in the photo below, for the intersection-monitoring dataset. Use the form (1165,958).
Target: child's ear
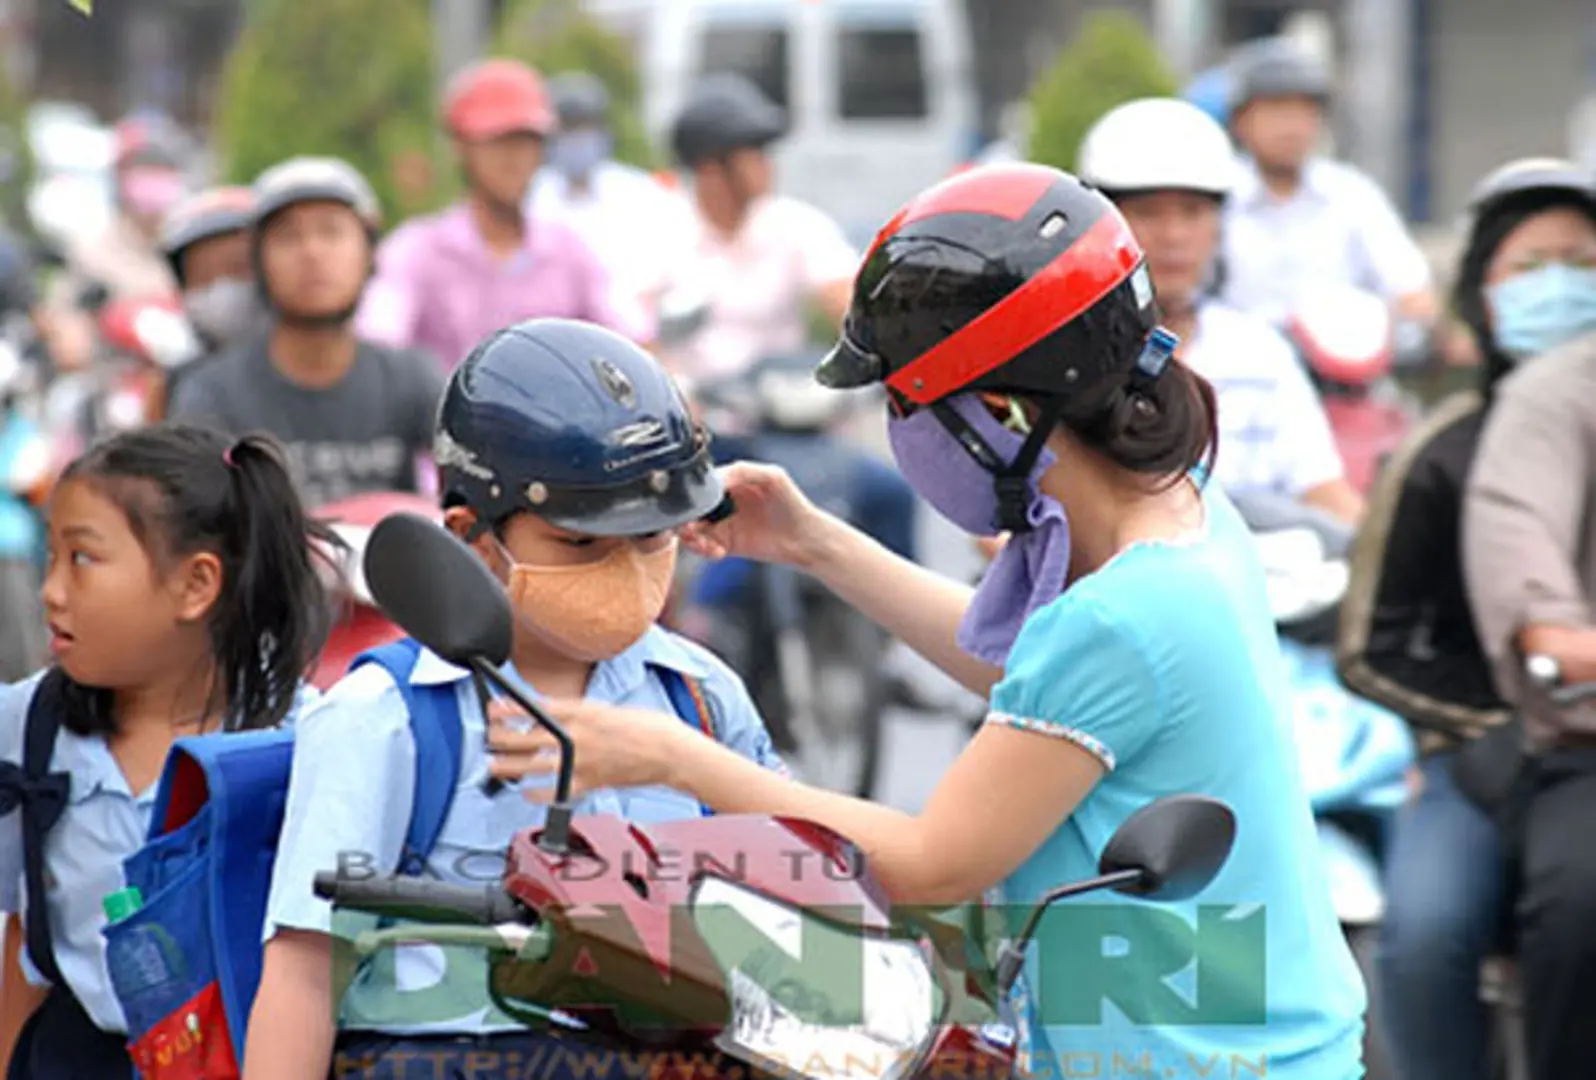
(198,586)
(461,521)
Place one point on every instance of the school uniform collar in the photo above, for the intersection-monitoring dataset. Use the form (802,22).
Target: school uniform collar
(93,768)
(613,679)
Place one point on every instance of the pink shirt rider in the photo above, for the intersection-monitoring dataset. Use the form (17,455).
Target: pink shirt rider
(438,287)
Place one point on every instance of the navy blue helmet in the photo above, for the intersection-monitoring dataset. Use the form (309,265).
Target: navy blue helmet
(572,422)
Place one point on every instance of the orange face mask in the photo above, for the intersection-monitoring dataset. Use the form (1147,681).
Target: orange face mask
(595,611)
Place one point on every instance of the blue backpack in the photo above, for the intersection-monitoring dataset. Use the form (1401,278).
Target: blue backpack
(206,870)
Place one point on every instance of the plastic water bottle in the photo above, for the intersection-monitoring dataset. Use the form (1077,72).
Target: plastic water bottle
(145,973)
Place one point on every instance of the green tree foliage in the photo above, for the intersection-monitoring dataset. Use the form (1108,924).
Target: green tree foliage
(555,36)
(1111,60)
(16,155)
(350,78)
(358,79)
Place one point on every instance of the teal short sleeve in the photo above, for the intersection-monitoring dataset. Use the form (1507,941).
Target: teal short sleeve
(1076,672)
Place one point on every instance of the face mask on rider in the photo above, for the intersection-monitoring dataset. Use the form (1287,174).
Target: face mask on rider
(577,153)
(1031,569)
(223,310)
(594,611)
(1540,309)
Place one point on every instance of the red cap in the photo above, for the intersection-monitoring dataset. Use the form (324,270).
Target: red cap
(498,97)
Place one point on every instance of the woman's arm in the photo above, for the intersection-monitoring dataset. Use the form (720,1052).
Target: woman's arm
(1002,797)
(291,1029)
(19,999)
(1007,792)
(918,606)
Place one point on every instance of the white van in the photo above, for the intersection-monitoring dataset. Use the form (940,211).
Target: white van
(880,94)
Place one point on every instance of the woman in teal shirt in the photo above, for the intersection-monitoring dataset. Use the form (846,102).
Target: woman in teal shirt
(1123,636)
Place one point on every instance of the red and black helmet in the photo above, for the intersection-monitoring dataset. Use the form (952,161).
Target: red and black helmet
(1012,279)
(1007,278)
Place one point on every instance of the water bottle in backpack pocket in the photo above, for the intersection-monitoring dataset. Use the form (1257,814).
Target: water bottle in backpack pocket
(158,955)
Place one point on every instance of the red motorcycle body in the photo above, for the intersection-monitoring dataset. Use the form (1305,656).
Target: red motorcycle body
(620,906)
(1366,430)
(360,623)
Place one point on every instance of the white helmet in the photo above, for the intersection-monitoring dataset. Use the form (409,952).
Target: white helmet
(1157,144)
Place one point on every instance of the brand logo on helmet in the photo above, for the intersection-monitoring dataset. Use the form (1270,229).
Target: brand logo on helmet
(446,453)
(639,434)
(615,383)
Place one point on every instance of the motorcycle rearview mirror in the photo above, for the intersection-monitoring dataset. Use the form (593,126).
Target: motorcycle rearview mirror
(437,590)
(1170,849)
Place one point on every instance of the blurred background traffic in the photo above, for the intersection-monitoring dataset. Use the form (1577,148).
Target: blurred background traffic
(885,95)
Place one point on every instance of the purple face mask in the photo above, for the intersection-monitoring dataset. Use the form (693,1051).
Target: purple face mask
(944,472)
(1031,569)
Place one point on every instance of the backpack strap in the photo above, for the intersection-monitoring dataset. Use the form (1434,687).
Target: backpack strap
(688,699)
(690,702)
(435,726)
(41,796)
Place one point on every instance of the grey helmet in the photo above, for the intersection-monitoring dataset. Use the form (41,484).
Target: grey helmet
(581,99)
(724,113)
(1277,67)
(315,179)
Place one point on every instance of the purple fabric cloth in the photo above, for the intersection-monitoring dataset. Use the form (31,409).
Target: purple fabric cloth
(439,288)
(1029,573)
(1031,569)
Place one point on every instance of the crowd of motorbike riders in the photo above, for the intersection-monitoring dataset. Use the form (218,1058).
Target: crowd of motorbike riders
(569,460)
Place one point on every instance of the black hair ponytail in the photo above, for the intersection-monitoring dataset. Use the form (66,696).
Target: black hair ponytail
(272,617)
(187,489)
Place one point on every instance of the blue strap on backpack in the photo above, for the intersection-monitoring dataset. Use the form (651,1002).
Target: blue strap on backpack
(435,726)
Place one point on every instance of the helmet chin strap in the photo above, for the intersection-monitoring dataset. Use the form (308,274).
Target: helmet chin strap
(1011,479)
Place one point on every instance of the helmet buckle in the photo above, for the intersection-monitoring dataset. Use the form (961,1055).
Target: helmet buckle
(1155,354)
(1014,500)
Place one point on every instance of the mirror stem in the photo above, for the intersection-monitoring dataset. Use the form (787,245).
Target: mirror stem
(556,835)
(1011,960)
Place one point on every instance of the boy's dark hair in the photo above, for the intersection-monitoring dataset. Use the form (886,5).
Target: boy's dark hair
(186,489)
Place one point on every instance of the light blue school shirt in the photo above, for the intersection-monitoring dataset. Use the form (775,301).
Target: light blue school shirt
(351,794)
(1164,664)
(104,822)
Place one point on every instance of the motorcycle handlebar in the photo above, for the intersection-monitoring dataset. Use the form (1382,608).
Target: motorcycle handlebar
(420,899)
(1573,694)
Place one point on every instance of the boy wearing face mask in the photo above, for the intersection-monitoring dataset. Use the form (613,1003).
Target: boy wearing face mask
(567,460)
(206,243)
